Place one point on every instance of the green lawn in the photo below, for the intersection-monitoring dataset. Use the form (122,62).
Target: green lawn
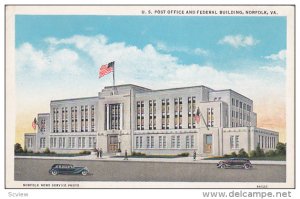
(272,158)
(50,154)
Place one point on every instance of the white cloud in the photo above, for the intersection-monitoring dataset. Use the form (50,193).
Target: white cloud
(55,60)
(147,67)
(238,41)
(275,69)
(166,48)
(201,52)
(281,56)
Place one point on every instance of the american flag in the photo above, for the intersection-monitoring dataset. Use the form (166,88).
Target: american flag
(105,69)
(34,124)
(197,116)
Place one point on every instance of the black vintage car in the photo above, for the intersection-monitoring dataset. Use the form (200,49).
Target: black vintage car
(68,169)
(235,163)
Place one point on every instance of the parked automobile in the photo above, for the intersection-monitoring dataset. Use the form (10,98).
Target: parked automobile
(235,163)
(68,169)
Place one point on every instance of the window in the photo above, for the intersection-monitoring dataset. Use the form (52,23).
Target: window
(79,142)
(192,141)
(191,112)
(152,142)
(83,142)
(82,118)
(178,142)
(90,142)
(187,141)
(72,119)
(148,142)
(137,144)
(70,142)
(141,142)
(232,102)
(140,115)
(63,119)
(60,145)
(54,142)
(234,142)
(160,142)
(42,142)
(51,142)
(210,117)
(164,142)
(43,125)
(92,118)
(76,119)
(73,143)
(172,141)
(86,112)
(237,142)
(114,116)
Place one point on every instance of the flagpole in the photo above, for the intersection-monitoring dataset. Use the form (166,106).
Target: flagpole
(114,79)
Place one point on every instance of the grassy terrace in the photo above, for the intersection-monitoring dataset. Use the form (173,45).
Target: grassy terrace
(50,154)
(271,158)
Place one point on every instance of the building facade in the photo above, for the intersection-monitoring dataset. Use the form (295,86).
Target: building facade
(138,119)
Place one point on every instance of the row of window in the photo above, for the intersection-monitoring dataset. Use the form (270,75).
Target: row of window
(161,143)
(165,114)
(85,111)
(240,104)
(266,142)
(70,142)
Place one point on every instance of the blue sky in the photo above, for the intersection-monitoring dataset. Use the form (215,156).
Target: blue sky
(58,57)
(174,32)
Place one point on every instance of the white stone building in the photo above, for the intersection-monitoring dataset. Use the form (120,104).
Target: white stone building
(138,119)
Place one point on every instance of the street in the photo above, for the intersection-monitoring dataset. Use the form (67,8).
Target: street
(37,170)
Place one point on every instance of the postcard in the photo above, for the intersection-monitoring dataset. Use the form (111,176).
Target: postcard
(161,96)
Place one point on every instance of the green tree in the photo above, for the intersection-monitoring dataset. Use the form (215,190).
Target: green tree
(281,148)
(18,148)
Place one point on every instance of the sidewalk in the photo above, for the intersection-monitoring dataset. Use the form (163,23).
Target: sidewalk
(135,159)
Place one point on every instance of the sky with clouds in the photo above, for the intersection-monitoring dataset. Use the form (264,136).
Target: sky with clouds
(59,56)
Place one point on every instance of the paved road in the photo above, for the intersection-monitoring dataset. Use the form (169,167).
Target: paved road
(37,170)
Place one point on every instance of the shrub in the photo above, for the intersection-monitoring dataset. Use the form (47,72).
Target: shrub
(18,148)
(47,151)
(183,154)
(52,152)
(281,148)
(85,152)
(25,150)
(243,154)
(252,154)
(29,151)
(138,154)
(233,154)
(227,156)
(270,153)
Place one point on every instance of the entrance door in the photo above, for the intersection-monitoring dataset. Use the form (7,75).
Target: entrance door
(112,143)
(207,143)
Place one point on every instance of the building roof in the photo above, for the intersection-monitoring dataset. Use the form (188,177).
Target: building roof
(81,98)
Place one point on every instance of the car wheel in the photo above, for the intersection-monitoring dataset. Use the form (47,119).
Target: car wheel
(84,172)
(222,166)
(54,172)
(247,166)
